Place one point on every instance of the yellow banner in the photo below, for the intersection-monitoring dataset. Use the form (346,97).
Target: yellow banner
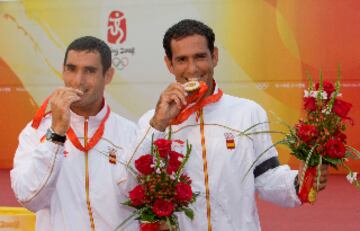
(16,219)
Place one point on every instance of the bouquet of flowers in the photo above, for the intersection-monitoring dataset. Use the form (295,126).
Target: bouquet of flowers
(319,138)
(162,187)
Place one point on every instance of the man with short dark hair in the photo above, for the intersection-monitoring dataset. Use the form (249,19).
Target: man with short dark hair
(220,160)
(68,165)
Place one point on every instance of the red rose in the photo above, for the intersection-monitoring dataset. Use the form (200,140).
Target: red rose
(184,178)
(306,132)
(328,87)
(335,148)
(163,146)
(137,195)
(163,208)
(309,104)
(149,226)
(174,162)
(183,192)
(144,164)
(341,108)
(340,136)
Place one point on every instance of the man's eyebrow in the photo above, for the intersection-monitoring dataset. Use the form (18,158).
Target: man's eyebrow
(91,68)
(201,54)
(180,57)
(69,65)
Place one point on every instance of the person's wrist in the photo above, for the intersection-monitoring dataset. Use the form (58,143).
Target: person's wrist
(157,125)
(58,130)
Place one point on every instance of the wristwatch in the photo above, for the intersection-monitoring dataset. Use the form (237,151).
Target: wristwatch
(52,136)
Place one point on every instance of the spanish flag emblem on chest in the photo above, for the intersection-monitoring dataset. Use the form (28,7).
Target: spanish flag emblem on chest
(112,156)
(230,141)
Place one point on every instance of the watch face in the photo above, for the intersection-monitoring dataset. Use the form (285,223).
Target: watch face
(48,134)
(52,136)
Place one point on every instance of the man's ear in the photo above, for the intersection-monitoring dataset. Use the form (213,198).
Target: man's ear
(215,56)
(169,64)
(109,75)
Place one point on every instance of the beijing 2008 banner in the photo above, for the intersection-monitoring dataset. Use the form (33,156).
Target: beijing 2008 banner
(266,46)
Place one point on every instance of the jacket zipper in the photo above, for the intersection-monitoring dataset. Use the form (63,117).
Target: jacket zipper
(87,182)
(206,175)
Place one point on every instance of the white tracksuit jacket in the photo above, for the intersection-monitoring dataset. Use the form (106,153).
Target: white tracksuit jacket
(232,198)
(50,179)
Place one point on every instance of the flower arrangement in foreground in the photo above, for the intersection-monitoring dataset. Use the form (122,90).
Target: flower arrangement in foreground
(162,187)
(319,138)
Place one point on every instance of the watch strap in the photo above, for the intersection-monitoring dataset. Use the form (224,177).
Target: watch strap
(52,136)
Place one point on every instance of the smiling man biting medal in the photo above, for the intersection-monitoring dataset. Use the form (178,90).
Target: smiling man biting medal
(68,165)
(220,158)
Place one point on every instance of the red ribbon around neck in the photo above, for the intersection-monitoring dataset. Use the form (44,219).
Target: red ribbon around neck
(70,132)
(200,103)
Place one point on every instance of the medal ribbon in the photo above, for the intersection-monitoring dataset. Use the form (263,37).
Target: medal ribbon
(307,193)
(94,140)
(202,102)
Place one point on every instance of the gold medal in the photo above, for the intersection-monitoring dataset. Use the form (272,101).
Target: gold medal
(312,195)
(192,85)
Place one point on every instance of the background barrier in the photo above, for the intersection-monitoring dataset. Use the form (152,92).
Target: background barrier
(266,46)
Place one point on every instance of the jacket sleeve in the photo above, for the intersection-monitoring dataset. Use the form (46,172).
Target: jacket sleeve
(36,169)
(277,185)
(273,182)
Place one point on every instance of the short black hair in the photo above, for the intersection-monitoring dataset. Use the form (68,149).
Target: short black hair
(188,27)
(90,43)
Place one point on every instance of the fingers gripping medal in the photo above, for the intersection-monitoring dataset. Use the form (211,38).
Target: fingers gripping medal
(196,91)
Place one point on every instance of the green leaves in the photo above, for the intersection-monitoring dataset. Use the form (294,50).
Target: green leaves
(352,152)
(189,213)
(127,202)
(146,214)
(332,162)
(310,80)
